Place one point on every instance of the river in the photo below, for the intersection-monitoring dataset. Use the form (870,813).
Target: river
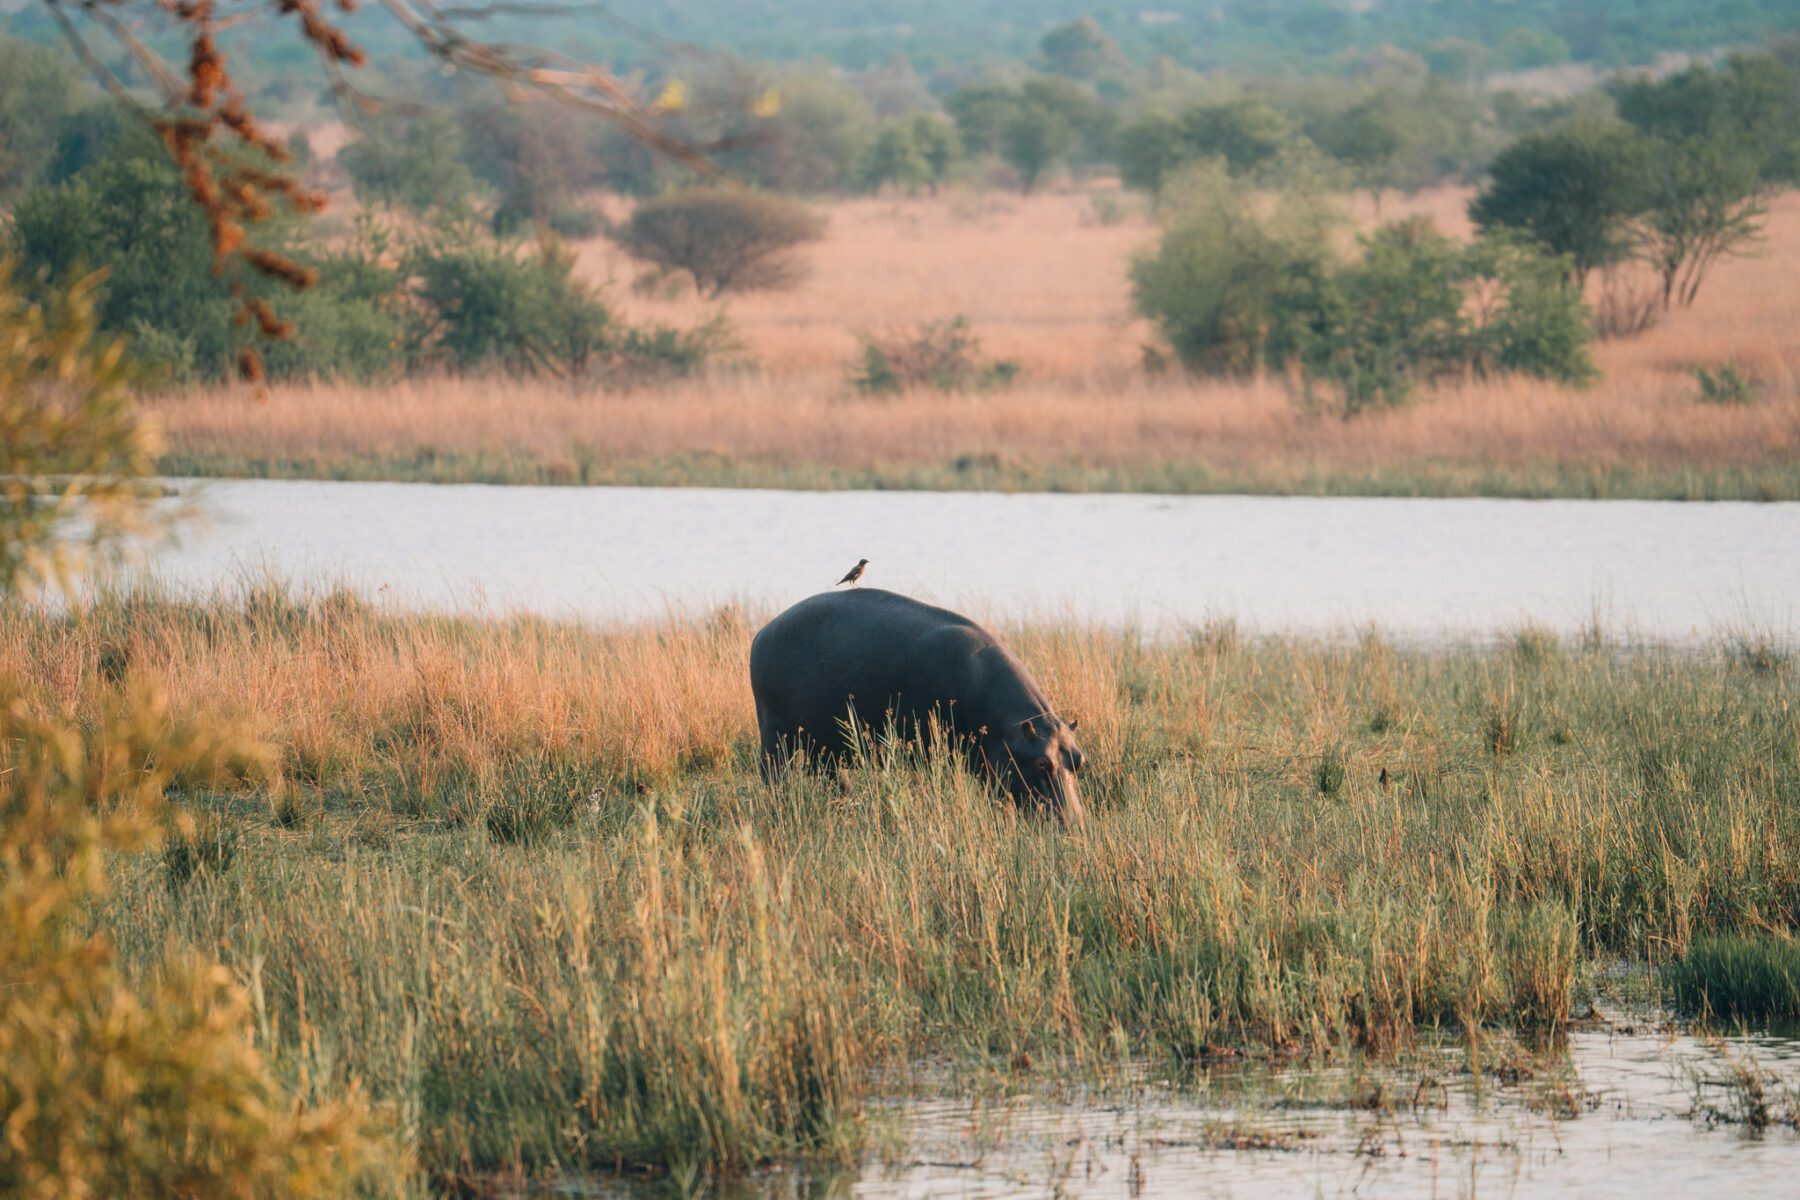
(1420,568)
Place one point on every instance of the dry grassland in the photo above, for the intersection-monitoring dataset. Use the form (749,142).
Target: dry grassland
(1043,281)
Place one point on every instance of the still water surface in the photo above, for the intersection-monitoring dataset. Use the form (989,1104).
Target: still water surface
(1415,567)
(1633,1110)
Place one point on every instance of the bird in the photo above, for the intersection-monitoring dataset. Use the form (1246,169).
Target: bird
(854,576)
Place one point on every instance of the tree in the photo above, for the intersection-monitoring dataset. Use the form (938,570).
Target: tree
(1575,188)
(812,138)
(1718,139)
(981,112)
(1079,50)
(1214,282)
(894,158)
(1365,137)
(1033,140)
(417,167)
(1246,133)
(234,169)
(37,94)
(937,141)
(1751,102)
(1148,151)
(131,215)
(1705,201)
(1233,291)
(725,240)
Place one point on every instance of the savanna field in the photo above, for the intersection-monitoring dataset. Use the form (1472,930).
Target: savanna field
(520,887)
(1042,282)
(312,887)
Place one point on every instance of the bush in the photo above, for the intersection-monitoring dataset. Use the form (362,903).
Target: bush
(724,240)
(112,1086)
(1214,281)
(945,355)
(131,216)
(482,303)
(1724,384)
(1233,292)
(486,305)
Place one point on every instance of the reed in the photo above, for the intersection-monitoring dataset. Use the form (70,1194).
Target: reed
(520,880)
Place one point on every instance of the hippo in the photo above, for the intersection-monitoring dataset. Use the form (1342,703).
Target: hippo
(893,659)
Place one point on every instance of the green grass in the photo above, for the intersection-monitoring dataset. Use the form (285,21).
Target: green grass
(1738,978)
(1540,481)
(522,882)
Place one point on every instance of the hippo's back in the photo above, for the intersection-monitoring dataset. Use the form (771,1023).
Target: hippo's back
(884,654)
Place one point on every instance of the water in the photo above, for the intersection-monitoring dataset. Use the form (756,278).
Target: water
(1416,567)
(1632,1110)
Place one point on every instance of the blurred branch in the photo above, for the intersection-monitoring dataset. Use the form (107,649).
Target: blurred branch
(237,174)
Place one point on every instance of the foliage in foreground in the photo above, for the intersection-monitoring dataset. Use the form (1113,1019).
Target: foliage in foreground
(115,1083)
(523,881)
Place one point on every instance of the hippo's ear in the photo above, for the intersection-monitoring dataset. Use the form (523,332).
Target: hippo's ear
(1074,724)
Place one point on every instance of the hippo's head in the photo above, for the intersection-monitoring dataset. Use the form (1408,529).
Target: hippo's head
(1044,761)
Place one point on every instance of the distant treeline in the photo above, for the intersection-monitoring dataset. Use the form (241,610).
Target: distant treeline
(1669,172)
(950,35)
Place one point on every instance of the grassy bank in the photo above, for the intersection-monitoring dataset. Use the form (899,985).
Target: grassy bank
(521,880)
(986,473)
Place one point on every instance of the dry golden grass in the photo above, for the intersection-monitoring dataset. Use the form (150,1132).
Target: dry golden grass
(1043,282)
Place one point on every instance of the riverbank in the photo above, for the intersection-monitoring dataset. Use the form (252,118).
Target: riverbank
(1546,481)
(1639,435)
(521,881)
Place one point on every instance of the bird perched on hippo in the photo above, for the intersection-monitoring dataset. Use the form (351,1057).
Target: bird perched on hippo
(889,657)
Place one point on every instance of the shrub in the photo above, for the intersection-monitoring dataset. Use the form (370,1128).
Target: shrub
(131,216)
(72,462)
(481,303)
(724,240)
(113,1087)
(1214,281)
(1724,384)
(945,355)
(486,305)
(1234,292)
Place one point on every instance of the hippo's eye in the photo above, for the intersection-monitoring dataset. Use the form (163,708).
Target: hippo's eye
(1076,761)
(1043,766)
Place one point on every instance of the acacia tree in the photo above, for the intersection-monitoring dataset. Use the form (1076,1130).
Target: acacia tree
(238,174)
(1575,188)
(725,240)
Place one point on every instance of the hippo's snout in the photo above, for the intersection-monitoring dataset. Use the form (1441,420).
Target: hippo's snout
(1065,799)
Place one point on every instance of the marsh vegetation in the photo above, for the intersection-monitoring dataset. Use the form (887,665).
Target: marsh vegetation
(520,881)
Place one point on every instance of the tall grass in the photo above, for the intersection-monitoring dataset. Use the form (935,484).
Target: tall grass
(650,958)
